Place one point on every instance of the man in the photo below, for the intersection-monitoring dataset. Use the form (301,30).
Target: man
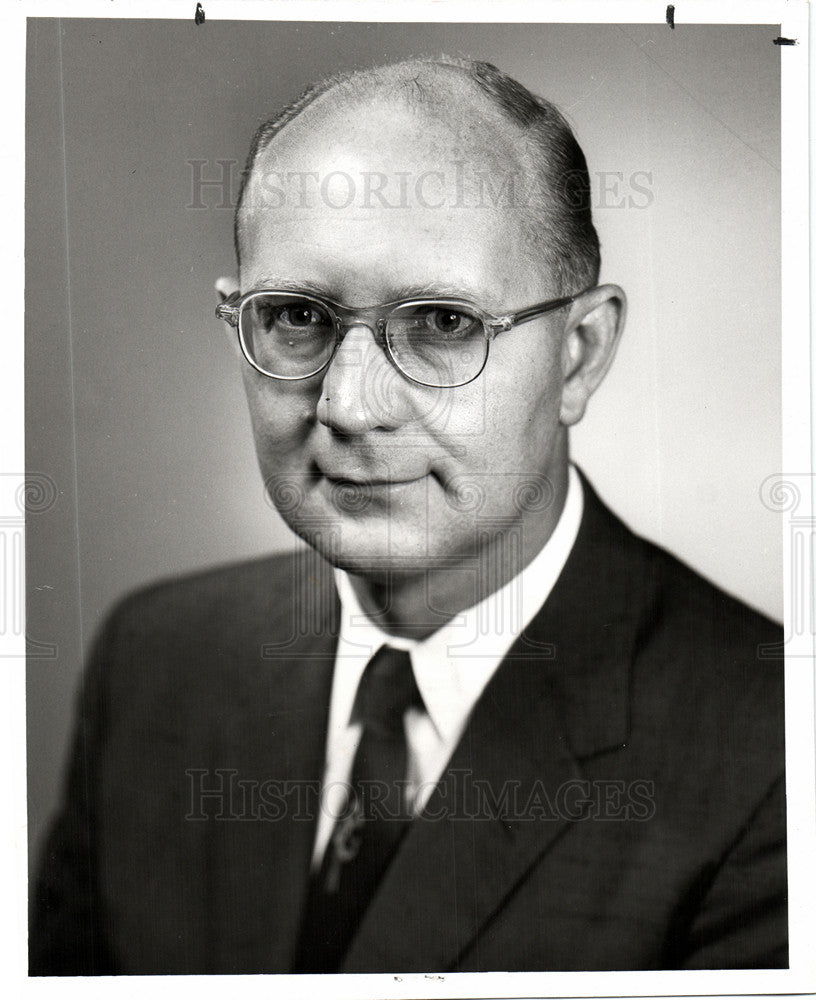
(503,733)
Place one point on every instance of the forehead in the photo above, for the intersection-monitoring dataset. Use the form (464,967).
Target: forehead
(368,197)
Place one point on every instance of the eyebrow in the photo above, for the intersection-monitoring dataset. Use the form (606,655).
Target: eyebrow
(287,285)
(425,290)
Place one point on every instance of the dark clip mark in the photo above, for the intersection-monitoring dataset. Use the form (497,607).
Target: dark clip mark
(784,41)
(199,14)
(670,16)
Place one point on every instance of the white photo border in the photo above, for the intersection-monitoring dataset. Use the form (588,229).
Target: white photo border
(793,17)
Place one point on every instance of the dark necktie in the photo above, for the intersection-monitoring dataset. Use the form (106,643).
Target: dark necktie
(366,836)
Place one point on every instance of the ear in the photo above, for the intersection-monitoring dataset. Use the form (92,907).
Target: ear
(594,326)
(225,287)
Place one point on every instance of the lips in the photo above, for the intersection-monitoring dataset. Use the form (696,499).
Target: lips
(359,479)
(356,496)
(343,482)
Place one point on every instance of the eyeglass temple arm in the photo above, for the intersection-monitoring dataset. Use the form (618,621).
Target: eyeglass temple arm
(541,308)
(227,310)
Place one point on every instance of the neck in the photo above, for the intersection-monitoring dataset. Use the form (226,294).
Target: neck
(415,604)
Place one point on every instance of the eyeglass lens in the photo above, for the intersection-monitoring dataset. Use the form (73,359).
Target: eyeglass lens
(436,343)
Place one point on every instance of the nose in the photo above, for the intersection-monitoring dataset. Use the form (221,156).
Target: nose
(361,391)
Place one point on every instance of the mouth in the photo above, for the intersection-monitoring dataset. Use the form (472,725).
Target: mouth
(361,480)
(366,484)
(358,494)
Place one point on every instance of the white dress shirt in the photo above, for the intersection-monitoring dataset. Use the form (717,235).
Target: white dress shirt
(452,667)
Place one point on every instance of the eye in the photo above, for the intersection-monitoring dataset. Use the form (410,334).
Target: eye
(301,316)
(447,320)
(449,323)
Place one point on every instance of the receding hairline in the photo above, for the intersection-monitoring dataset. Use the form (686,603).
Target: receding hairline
(529,129)
(415,80)
(401,82)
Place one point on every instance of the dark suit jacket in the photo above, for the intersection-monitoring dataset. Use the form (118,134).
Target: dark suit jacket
(616,802)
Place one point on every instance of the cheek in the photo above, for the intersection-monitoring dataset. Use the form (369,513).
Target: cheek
(522,405)
(282,414)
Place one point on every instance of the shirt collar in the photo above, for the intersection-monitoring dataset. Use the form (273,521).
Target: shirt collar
(454,664)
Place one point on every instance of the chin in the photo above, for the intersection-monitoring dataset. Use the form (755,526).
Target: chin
(375,551)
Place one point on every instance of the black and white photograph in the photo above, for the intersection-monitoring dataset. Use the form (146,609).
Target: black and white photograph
(416,500)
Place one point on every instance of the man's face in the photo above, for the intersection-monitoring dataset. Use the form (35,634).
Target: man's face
(375,471)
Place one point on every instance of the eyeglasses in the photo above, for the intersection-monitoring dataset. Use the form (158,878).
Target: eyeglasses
(441,343)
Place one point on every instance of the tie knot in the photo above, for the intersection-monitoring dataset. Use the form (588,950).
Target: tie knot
(387,690)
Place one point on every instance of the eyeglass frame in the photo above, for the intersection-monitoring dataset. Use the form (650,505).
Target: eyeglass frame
(230,311)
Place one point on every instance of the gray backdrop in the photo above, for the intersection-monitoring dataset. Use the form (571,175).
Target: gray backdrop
(134,407)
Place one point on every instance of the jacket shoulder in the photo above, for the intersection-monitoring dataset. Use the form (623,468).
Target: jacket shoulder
(702,661)
(220,596)
(670,594)
(204,637)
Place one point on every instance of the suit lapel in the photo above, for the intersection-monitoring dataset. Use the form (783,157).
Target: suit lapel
(274,741)
(560,696)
